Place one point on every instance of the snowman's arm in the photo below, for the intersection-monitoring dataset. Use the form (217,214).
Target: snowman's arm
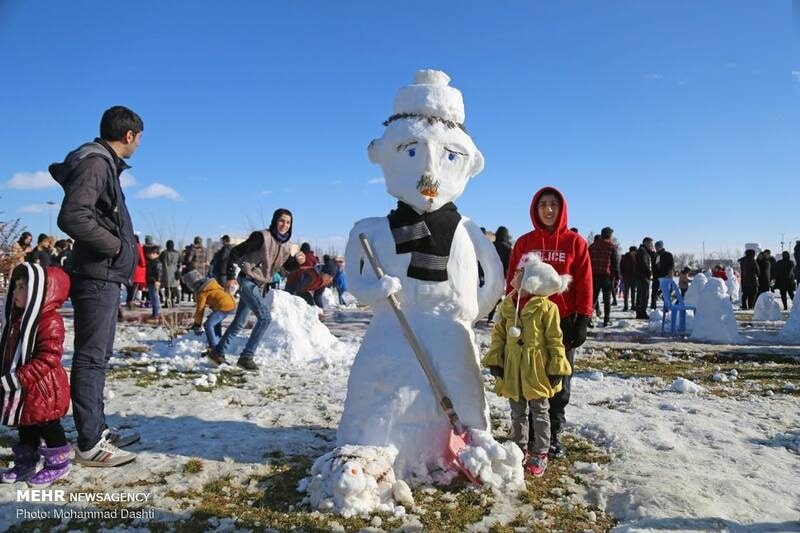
(493,275)
(361,279)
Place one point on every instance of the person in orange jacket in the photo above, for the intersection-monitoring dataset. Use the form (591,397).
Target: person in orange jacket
(208,292)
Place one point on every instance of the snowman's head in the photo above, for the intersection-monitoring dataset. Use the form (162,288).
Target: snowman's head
(425,153)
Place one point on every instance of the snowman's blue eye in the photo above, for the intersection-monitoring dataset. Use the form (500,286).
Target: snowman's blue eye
(451,156)
(412,153)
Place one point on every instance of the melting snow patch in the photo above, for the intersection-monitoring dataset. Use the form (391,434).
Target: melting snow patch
(595,376)
(719,377)
(685,386)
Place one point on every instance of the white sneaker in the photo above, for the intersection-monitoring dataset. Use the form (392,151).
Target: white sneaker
(119,439)
(104,454)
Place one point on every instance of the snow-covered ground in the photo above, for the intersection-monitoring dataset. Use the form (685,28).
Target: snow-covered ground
(680,460)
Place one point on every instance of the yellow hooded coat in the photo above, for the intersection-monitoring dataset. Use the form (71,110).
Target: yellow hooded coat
(529,359)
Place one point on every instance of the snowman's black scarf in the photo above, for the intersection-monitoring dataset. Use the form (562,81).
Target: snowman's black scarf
(427,237)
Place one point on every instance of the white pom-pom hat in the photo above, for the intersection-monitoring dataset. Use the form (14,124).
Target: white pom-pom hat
(431,96)
(540,278)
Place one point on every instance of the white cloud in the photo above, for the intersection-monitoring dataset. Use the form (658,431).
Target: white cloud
(731,65)
(654,76)
(265,192)
(126,180)
(31,180)
(796,75)
(158,190)
(33,208)
(375,181)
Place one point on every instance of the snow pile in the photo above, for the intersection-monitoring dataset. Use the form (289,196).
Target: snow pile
(692,296)
(296,334)
(732,284)
(496,465)
(719,377)
(714,320)
(686,386)
(356,480)
(791,330)
(767,307)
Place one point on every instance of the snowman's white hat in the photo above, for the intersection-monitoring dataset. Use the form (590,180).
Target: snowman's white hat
(429,96)
(540,278)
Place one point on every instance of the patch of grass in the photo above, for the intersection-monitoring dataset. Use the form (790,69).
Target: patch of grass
(769,373)
(276,392)
(133,350)
(138,371)
(193,466)
(548,494)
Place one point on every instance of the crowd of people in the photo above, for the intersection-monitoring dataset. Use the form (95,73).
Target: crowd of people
(554,281)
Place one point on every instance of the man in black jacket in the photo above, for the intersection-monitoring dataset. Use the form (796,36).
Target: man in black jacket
(95,215)
(644,275)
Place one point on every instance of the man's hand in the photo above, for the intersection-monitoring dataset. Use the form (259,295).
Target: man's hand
(300,258)
(555,381)
(196,329)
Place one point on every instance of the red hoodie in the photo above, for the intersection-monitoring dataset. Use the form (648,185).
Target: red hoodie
(565,251)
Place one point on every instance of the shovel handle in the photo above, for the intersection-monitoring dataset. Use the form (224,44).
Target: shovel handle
(422,356)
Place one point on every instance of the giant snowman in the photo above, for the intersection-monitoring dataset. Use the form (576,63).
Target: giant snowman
(430,254)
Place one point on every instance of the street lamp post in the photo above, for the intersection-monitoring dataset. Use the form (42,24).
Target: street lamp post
(50,204)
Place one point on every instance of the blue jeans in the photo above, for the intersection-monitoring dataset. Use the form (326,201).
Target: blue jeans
(212,326)
(155,302)
(96,304)
(251,300)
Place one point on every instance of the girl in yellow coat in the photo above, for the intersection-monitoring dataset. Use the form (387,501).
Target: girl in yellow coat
(527,355)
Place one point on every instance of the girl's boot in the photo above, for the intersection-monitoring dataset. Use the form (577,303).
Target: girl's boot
(26,458)
(56,465)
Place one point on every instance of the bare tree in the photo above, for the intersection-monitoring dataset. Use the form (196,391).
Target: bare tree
(684,259)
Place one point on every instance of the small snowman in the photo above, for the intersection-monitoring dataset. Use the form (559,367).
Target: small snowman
(431,255)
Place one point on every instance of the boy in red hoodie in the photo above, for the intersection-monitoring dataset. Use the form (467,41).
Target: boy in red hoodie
(566,251)
(35,389)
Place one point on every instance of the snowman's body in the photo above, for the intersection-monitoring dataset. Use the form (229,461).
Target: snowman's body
(427,159)
(389,400)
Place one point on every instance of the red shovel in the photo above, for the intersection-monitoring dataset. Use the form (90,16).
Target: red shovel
(457,441)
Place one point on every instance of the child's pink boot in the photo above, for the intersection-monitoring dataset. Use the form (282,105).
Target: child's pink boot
(537,464)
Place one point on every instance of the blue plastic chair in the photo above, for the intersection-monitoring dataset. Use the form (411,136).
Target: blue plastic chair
(676,308)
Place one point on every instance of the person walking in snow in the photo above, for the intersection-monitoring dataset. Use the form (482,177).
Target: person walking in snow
(220,261)
(170,259)
(154,274)
(750,274)
(94,214)
(139,280)
(627,267)
(260,256)
(35,389)
(527,356)
(644,276)
(765,271)
(567,252)
(198,258)
(797,262)
(784,278)
(604,259)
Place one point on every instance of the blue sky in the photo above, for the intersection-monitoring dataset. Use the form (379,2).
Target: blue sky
(677,120)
